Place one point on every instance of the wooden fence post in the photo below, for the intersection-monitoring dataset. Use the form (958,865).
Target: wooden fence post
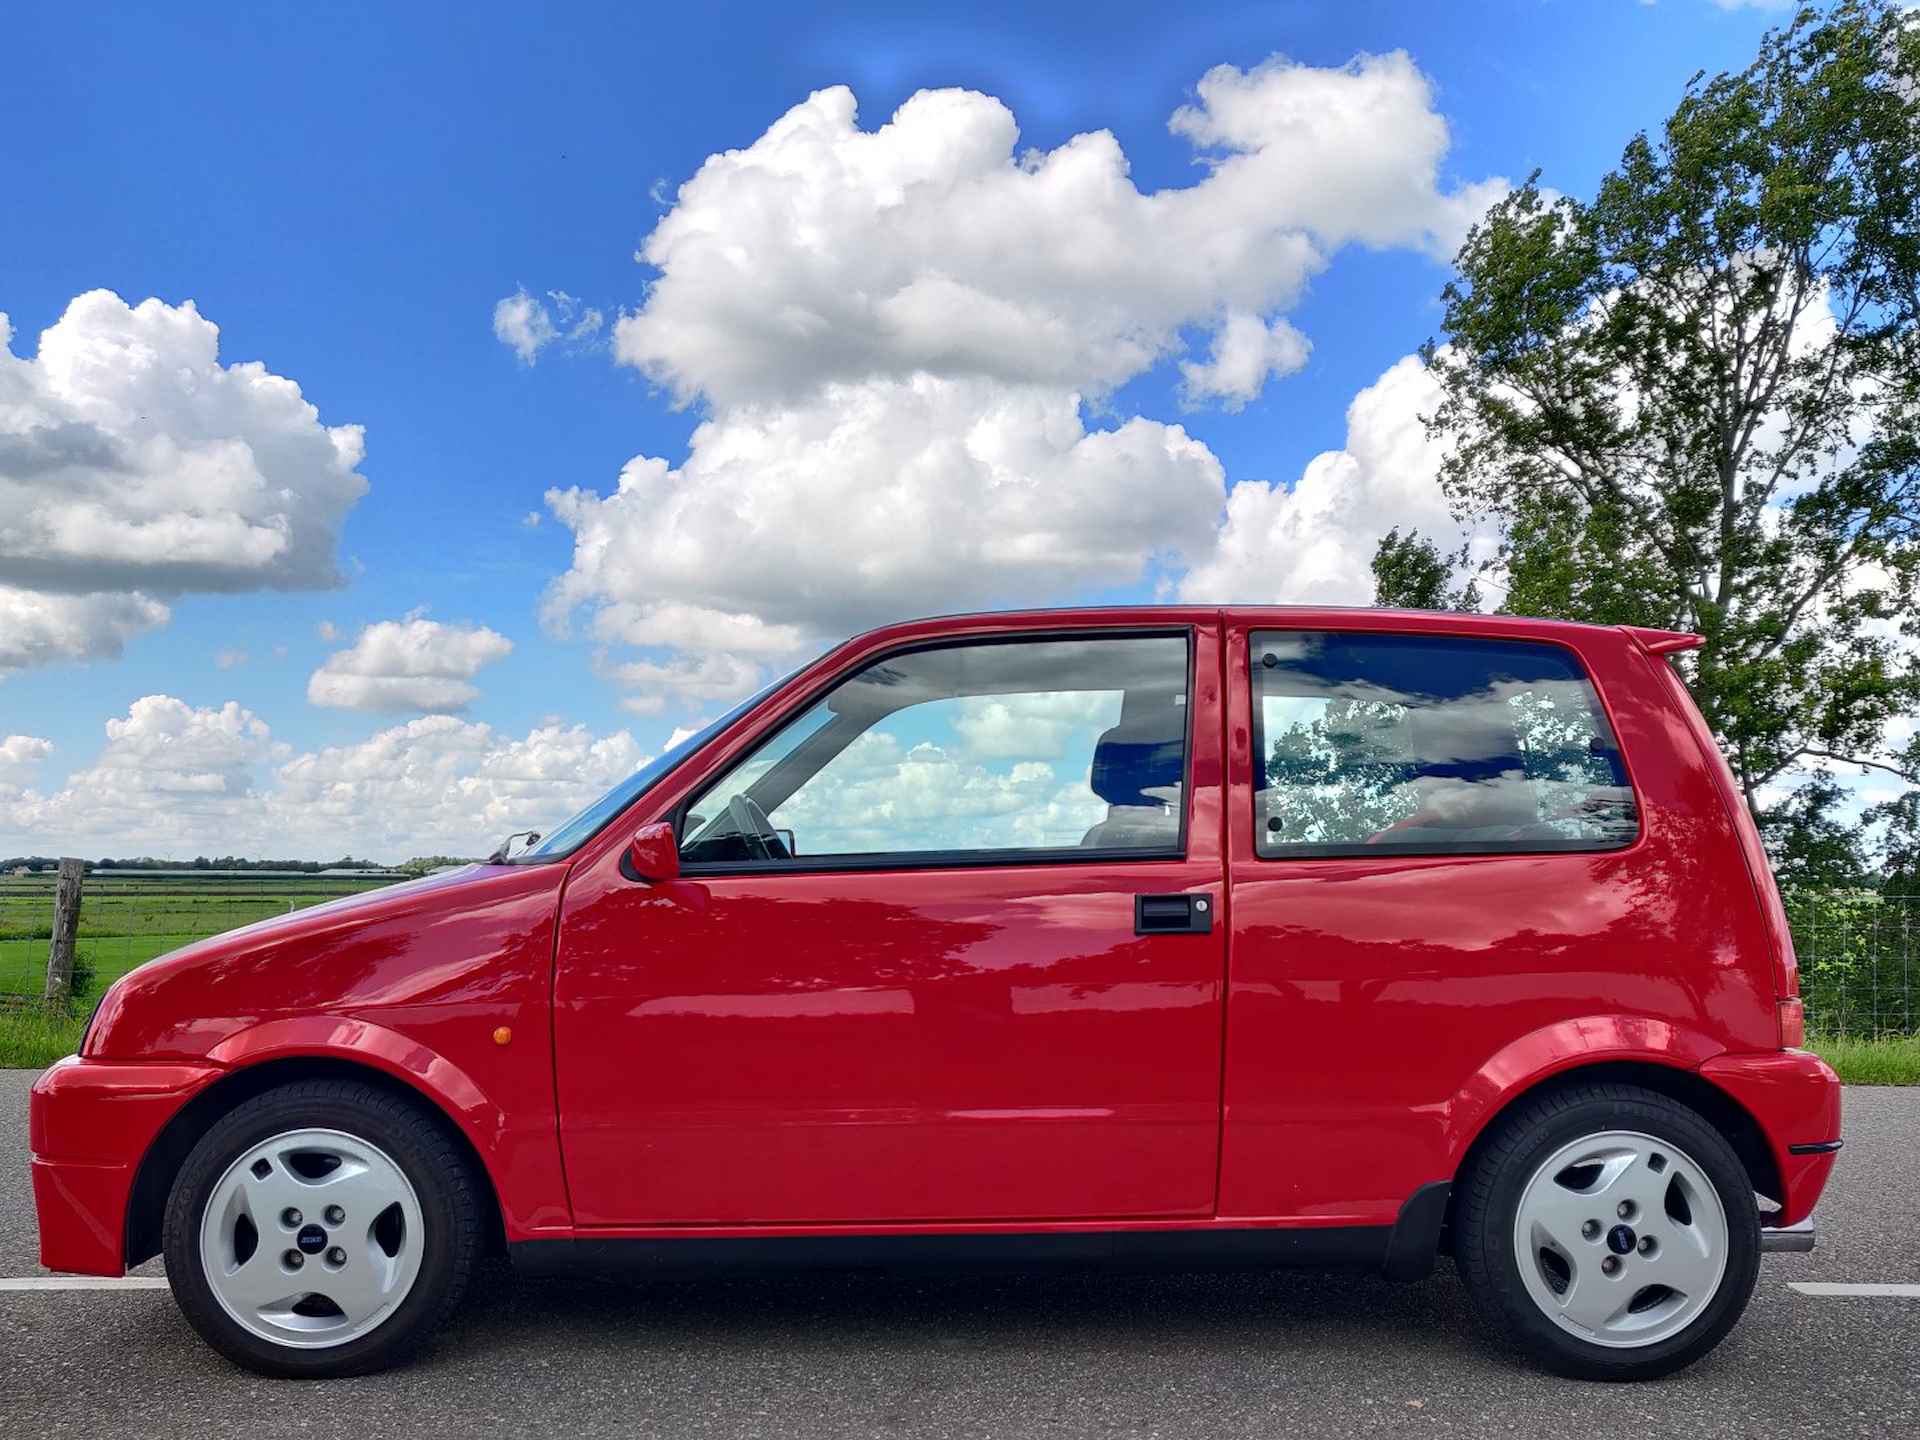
(66,924)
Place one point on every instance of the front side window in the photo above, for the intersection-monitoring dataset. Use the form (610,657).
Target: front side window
(1372,743)
(1074,745)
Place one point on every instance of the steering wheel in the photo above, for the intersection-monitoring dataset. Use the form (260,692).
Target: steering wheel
(754,827)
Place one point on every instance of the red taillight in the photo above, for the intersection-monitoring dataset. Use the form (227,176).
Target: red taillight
(1793,1024)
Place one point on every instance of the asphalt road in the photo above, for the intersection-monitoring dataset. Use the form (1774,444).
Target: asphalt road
(1002,1355)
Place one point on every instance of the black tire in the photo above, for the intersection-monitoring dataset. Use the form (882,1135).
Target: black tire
(426,1151)
(1489,1200)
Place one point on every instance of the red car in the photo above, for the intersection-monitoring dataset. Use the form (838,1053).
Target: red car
(1254,935)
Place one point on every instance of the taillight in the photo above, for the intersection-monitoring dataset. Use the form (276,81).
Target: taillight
(1793,1023)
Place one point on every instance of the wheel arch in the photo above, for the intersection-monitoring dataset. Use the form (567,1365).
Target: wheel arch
(153,1180)
(1679,1083)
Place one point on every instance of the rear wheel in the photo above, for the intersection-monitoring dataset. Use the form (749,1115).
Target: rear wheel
(1609,1232)
(324,1228)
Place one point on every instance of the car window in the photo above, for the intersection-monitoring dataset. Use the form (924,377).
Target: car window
(1013,746)
(1431,744)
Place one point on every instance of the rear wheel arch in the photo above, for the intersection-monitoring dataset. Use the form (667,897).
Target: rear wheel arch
(153,1181)
(1718,1108)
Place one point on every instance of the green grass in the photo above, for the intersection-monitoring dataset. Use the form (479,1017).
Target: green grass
(1891,1061)
(33,1039)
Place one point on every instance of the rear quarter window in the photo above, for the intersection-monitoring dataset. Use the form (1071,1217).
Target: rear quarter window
(1370,743)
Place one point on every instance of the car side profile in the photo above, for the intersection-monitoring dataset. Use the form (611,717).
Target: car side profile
(1256,936)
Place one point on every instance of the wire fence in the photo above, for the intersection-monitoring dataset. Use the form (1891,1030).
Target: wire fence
(1859,950)
(1859,953)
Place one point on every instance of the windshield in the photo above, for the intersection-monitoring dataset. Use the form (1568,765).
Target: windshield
(582,827)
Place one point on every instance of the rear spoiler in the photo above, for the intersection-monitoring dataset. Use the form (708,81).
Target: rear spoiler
(1663,642)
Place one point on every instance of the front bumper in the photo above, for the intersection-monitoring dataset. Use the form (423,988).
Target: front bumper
(90,1123)
(1795,1098)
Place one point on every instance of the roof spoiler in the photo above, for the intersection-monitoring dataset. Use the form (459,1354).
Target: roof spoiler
(1663,642)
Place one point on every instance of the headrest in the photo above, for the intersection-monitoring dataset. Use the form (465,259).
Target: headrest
(1129,765)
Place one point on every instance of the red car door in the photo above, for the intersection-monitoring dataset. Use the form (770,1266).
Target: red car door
(897,981)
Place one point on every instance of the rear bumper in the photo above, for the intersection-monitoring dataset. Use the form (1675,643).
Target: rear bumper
(90,1122)
(1795,1097)
(1787,1239)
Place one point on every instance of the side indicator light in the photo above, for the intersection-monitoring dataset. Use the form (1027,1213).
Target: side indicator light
(502,1036)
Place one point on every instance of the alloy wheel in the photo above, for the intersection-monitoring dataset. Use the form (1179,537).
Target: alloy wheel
(1621,1238)
(312,1238)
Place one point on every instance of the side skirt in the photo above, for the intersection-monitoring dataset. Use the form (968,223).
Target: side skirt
(1402,1251)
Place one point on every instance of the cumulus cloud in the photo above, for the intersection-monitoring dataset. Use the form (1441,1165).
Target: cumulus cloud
(36,628)
(1246,351)
(408,664)
(888,498)
(1313,542)
(175,779)
(897,333)
(444,786)
(823,252)
(526,325)
(20,756)
(135,467)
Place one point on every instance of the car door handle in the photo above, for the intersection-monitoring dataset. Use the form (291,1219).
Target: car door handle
(1179,914)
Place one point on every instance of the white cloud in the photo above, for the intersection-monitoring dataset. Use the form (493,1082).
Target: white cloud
(1314,543)
(883,499)
(522,324)
(896,332)
(37,628)
(135,467)
(1246,350)
(441,785)
(526,326)
(168,773)
(823,253)
(327,631)
(230,658)
(176,780)
(20,756)
(408,664)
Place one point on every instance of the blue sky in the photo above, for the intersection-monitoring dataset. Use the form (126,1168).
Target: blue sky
(348,192)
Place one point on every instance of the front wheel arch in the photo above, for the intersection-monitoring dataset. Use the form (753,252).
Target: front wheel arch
(153,1182)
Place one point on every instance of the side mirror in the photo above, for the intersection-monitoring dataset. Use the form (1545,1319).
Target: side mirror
(653,855)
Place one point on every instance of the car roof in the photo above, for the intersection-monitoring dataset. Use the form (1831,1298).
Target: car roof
(1293,617)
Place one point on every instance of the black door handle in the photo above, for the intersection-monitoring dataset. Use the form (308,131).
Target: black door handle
(1180,914)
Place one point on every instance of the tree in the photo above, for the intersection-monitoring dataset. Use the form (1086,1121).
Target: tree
(1694,403)
(1410,573)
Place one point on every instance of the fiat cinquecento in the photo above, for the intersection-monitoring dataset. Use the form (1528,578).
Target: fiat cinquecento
(1242,936)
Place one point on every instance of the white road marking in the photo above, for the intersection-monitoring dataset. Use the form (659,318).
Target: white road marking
(84,1282)
(1815,1287)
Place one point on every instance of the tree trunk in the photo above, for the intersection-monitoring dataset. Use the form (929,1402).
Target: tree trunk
(66,925)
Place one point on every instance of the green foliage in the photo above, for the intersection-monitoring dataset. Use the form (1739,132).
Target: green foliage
(1410,573)
(1694,403)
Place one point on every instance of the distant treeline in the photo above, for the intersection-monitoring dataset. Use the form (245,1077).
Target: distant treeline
(419,864)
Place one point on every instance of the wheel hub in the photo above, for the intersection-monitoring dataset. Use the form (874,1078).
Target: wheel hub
(1620,1240)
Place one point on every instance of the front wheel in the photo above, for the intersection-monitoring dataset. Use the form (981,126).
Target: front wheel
(323,1228)
(1609,1232)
